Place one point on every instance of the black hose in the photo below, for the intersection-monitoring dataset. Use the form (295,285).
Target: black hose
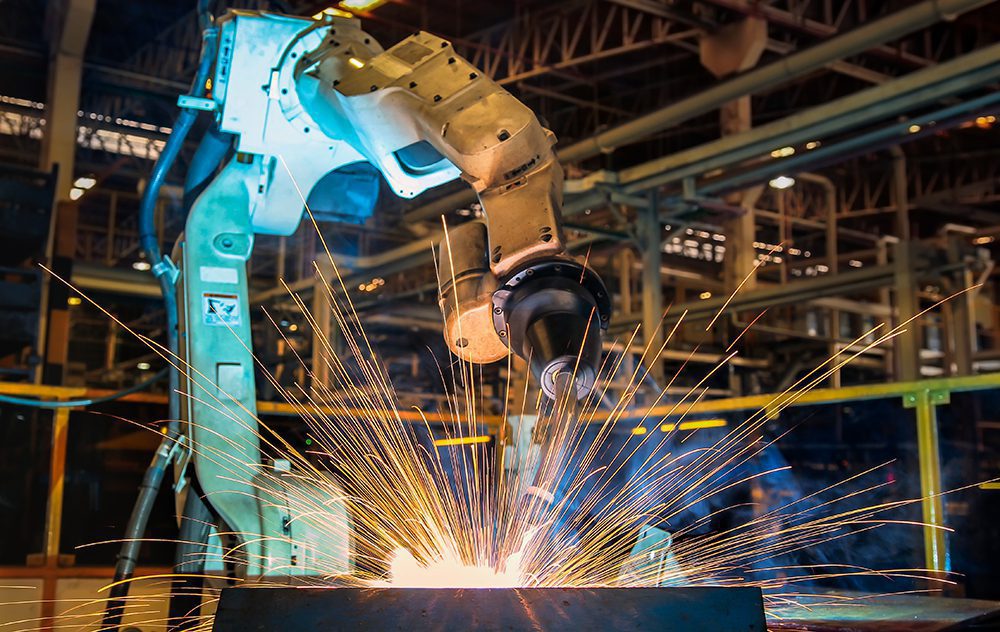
(212,151)
(186,590)
(128,556)
(75,403)
(147,209)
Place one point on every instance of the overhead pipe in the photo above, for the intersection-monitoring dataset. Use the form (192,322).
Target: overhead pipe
(793,292)
(896,133)
(863,38)
(856,41)
(850,112)
(859,280)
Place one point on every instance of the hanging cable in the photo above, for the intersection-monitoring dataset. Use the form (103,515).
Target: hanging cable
(165,272)
(77,403)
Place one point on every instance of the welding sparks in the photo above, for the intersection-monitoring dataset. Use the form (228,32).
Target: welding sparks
(406,572)
(382,507)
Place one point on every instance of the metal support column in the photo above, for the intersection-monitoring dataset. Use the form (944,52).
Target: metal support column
(925,402)
(61,251)
(963,330)
(323,332)
(53,515)
(625,260)
(625,281)
(832,258)
(650,239)
(735,48)
(70,22)
(907,344)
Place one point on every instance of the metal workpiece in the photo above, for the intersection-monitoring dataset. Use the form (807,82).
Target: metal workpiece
(553,313)
(689,609)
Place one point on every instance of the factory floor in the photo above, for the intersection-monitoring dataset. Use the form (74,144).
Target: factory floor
(900,613)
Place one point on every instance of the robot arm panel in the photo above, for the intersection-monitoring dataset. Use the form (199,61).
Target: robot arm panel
(508,284)
(421,91)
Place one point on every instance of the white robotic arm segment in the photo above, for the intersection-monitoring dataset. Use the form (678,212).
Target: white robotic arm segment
(421,92)
(266,96)
(320,95)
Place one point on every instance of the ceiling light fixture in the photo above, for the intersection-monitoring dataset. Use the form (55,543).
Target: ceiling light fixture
(361,5)
(782,182)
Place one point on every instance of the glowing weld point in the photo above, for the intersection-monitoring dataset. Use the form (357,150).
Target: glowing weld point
(407,572)
(450,572)
(357,63)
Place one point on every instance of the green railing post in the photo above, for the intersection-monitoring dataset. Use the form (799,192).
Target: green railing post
(925,402)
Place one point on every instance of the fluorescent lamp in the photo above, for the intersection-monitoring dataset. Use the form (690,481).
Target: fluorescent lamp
(361,5)
(782,182)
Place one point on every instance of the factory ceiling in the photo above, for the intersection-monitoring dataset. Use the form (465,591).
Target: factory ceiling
(585,67)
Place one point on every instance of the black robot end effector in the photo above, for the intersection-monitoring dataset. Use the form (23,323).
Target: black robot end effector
(552,313)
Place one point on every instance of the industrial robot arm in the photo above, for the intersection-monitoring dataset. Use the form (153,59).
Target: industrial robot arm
(324,94)
(305,98)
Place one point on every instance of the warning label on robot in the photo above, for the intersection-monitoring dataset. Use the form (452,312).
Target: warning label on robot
(222,310)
